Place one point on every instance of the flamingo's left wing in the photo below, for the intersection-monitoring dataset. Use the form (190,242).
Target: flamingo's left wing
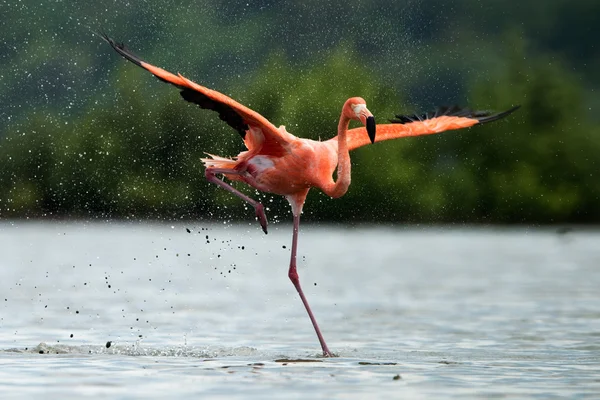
(236,115)
(443,119)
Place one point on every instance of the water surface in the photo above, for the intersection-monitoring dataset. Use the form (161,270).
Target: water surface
(413,313)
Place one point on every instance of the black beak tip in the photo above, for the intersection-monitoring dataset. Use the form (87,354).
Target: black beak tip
(371,128)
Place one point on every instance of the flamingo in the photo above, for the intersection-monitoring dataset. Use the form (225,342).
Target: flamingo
(278,162)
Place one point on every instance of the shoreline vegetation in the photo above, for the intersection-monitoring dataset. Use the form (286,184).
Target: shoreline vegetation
(101,139)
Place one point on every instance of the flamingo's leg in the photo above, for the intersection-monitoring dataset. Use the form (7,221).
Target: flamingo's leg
(293,275)
(210,174)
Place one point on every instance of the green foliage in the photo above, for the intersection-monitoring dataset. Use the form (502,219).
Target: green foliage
(132,149)
(544,170)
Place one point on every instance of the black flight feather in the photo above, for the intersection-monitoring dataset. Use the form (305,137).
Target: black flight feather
(226,113)
(454,111)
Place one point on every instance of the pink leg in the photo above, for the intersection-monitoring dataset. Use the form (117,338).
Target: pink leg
(293,274)
(210,174)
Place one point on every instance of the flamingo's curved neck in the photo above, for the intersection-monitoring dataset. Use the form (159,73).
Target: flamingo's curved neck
(340,187)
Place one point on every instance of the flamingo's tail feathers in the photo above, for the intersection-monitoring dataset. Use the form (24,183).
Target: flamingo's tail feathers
(218,162)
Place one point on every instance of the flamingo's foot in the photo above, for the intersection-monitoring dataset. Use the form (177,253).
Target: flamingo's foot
(328,354)
(262,218)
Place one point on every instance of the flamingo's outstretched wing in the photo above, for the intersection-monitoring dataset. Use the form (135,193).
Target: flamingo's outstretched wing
(443,119)
(239,117)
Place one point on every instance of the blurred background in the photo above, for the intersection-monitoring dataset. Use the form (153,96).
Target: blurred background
(85,134)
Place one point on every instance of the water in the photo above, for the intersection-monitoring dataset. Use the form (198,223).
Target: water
(412,313)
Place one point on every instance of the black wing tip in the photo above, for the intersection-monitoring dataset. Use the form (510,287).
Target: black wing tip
(121,49)
(454,111)
(486,117)
(126,53)
(226,114)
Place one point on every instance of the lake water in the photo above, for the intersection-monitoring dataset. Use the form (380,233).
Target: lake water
(210,313)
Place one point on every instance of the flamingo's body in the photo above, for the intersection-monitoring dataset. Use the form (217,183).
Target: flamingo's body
(279,162)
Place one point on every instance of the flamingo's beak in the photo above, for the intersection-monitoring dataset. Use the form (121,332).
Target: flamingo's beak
(365,116)
(371,128)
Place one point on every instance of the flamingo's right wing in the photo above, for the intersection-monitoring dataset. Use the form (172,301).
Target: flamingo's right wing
(236,115)
(443,119)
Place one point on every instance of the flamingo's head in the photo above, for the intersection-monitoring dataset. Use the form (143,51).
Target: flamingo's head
(356,109)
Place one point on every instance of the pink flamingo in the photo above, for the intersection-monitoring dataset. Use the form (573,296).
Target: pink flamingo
(279,162)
